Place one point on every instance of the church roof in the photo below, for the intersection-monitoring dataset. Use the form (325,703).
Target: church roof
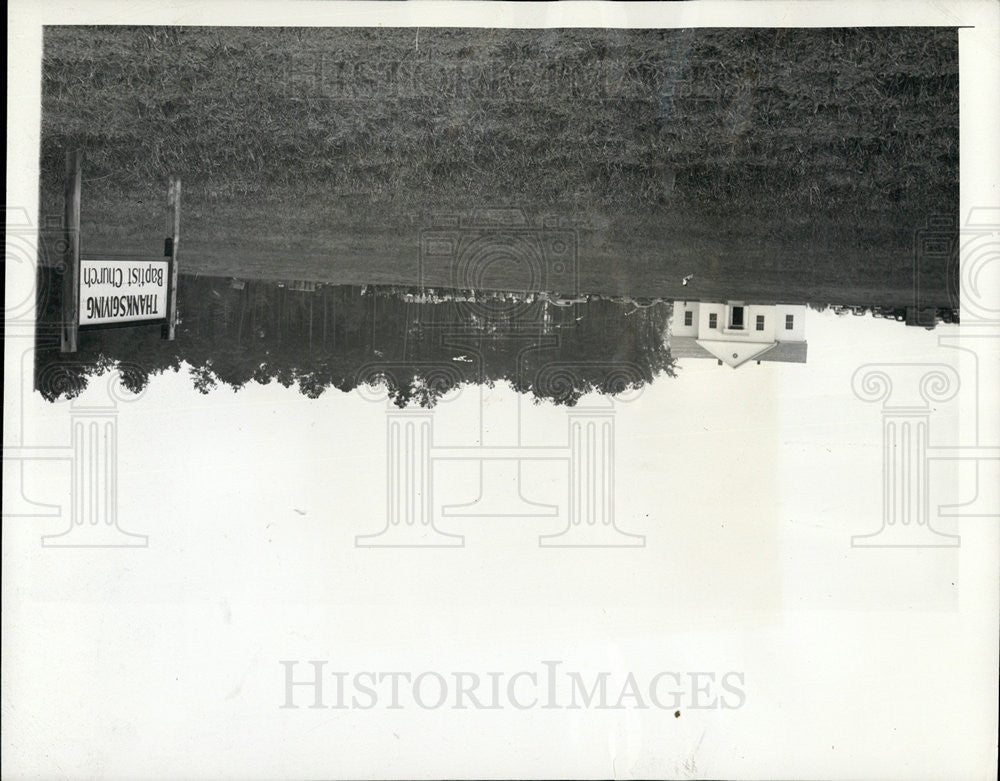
(779,352)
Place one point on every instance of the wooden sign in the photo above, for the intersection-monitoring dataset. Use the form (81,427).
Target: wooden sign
(117,292)
(107,292)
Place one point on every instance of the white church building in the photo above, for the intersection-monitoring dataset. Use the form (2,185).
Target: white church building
(735,332)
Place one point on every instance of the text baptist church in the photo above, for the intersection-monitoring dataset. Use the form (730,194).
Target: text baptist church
(736,332)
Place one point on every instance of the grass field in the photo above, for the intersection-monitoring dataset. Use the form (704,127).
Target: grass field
(790,165)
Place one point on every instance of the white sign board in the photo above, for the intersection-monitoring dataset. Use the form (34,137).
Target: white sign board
(123,291)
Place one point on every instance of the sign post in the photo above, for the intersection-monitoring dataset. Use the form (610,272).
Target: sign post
(71,254)
(174,227)
(110,292)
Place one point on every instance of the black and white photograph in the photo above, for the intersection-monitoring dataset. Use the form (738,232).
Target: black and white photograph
(483,389)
